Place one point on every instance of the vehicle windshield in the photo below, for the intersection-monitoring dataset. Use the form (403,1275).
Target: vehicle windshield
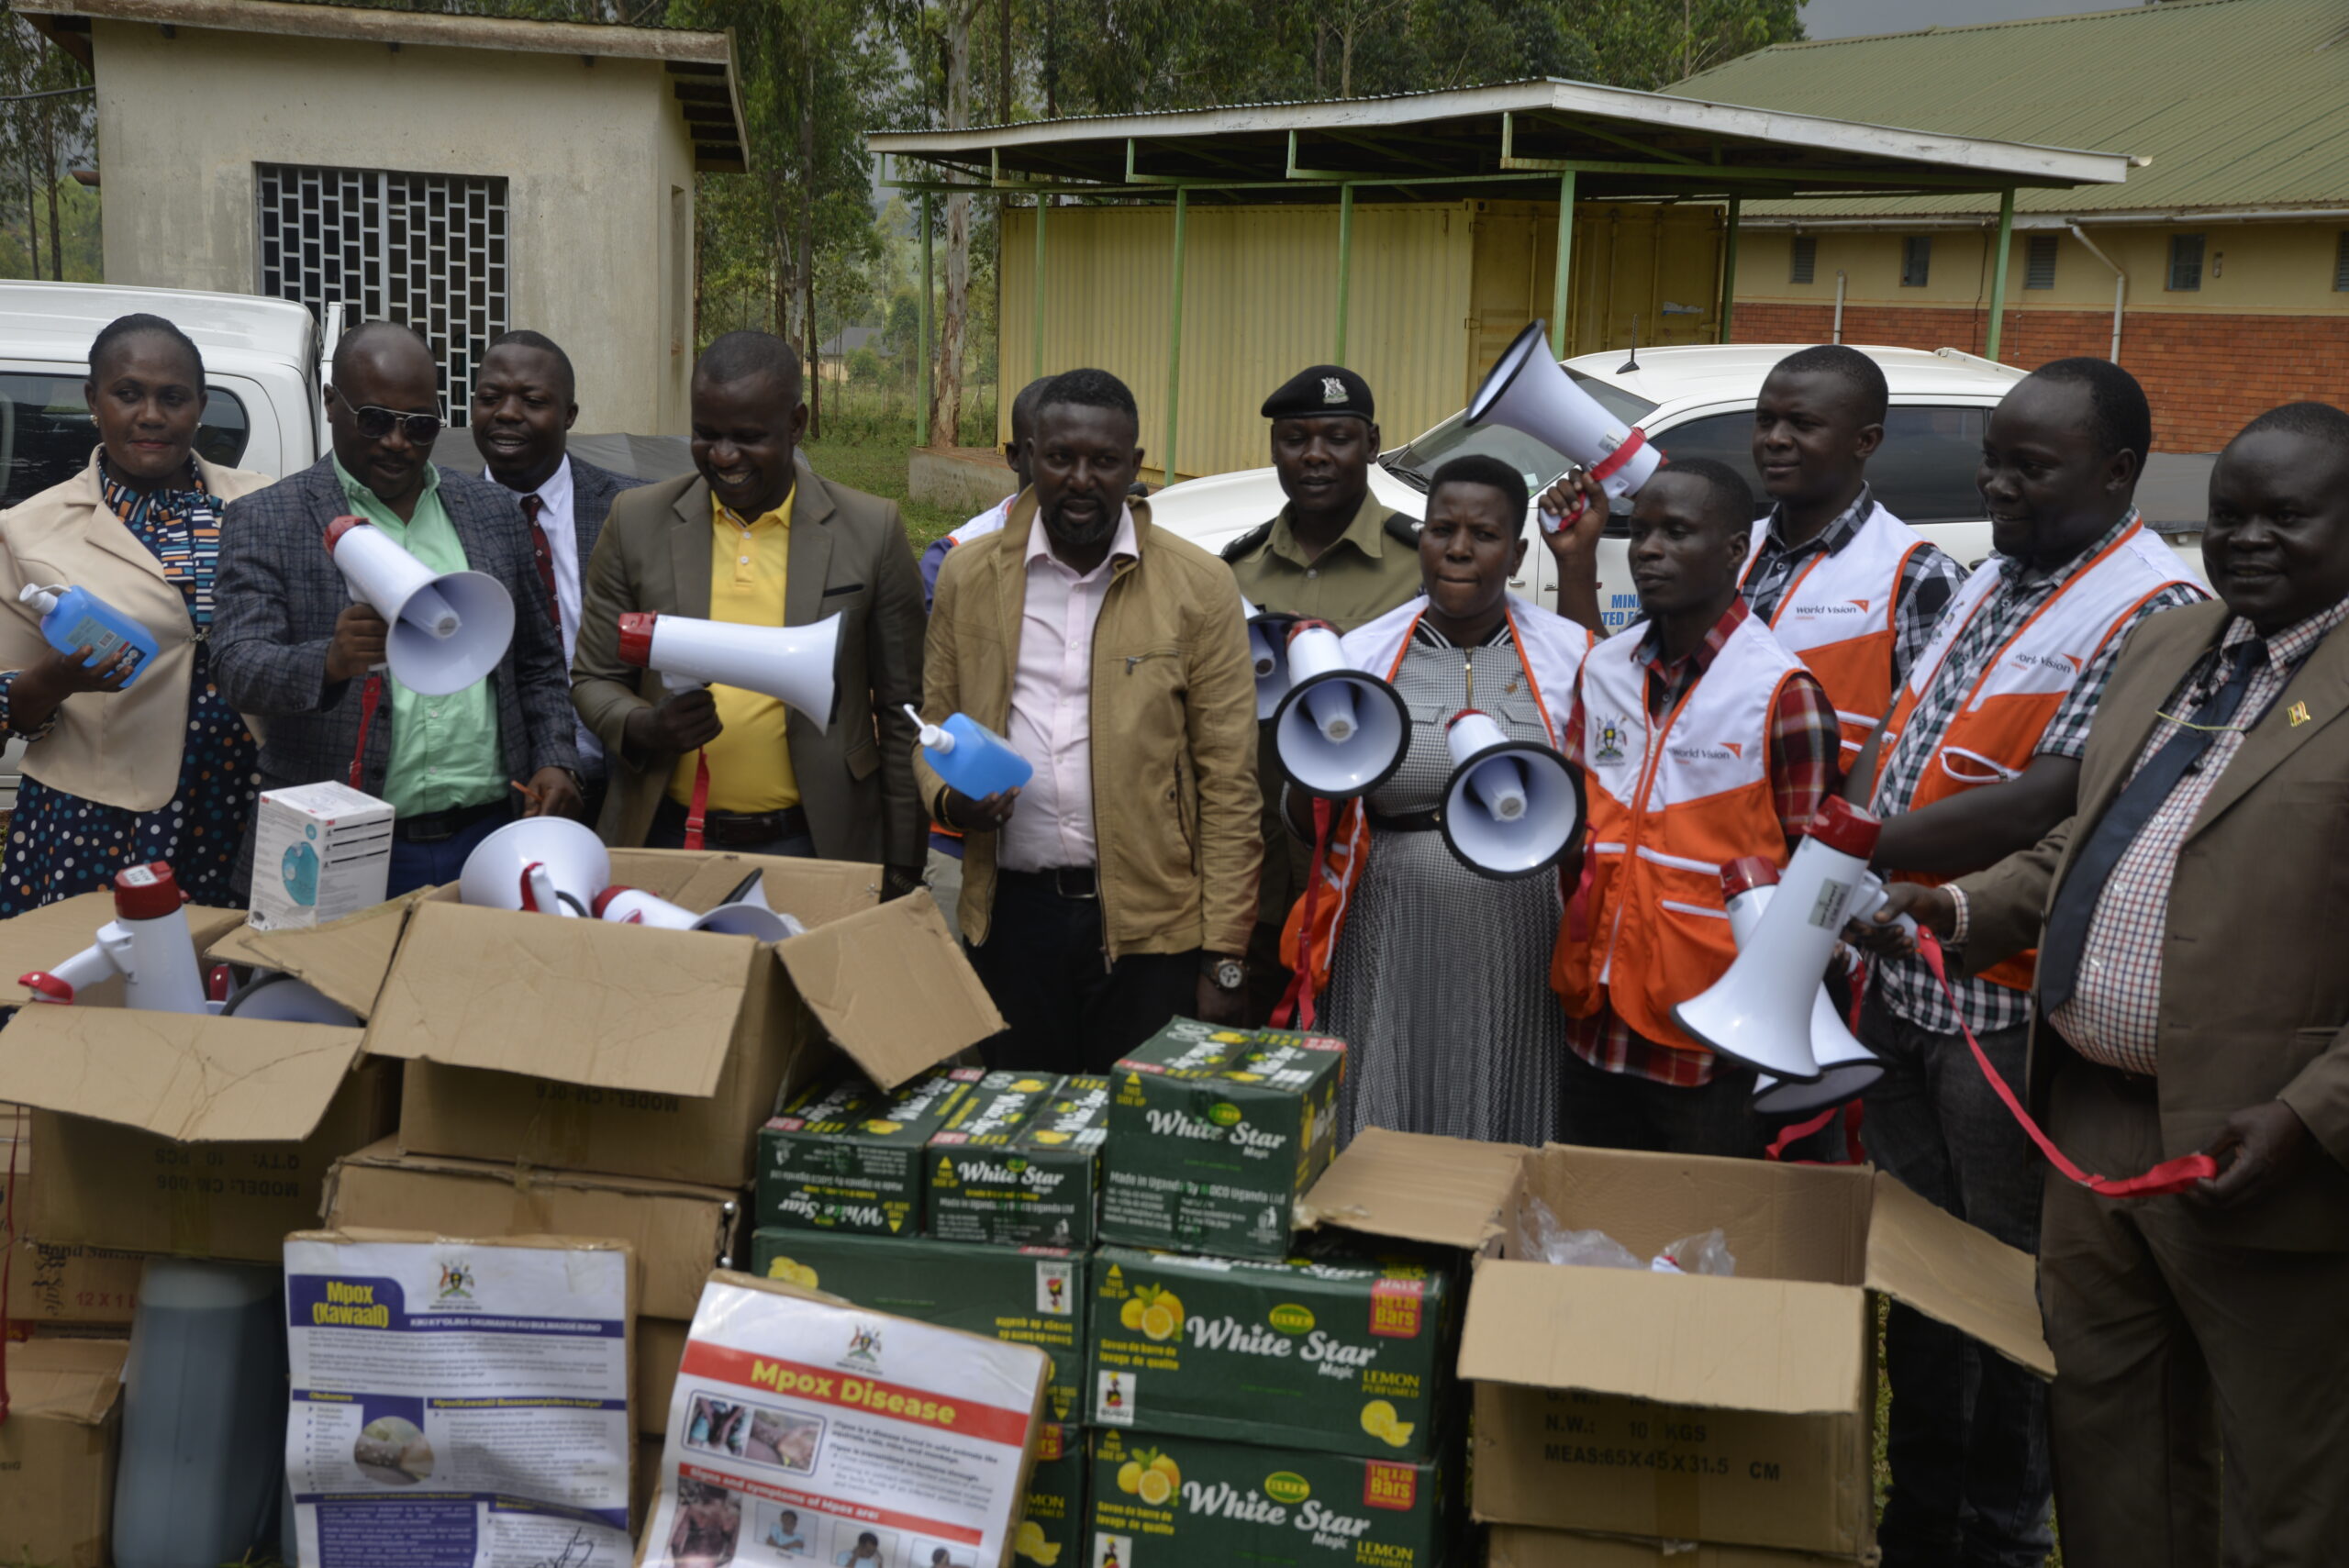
(1536,460)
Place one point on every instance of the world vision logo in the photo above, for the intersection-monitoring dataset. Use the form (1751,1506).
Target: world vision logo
(1719,752)
(2047,661)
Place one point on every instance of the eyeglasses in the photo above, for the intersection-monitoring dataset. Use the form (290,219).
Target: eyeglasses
(373,423)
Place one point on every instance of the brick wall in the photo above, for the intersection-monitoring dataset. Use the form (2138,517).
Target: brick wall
(2206,375)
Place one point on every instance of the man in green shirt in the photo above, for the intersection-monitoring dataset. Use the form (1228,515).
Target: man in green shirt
(1334,553)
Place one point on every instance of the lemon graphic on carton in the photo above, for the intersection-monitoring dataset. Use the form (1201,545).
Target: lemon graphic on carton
(1153,1311)
(1380,1419)
(799,1275)
(1029,1543)
(1150,1476)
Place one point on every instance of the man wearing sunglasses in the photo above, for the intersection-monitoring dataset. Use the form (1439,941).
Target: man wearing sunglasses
(293,648)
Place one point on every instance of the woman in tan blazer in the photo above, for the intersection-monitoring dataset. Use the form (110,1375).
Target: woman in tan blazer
(162,770)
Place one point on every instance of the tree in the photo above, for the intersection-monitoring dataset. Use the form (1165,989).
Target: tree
(50,122)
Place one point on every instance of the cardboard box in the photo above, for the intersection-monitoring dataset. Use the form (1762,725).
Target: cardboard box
(50,1286)
(1510,1546)
(582,1045)
(660,1347)
(1735,1411)
(1028,1296)
(320,851)
(1214,1135)
(1023,1166)
(57,1450)
(677,1233)
(849,1156)
(1176,1502)
(1330,1353)
(1051,1531)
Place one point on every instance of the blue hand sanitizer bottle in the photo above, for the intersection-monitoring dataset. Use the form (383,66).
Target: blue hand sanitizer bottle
(970,757)
(75,617)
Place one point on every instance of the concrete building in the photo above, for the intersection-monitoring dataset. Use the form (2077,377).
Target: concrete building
(464,174)
(2218,272)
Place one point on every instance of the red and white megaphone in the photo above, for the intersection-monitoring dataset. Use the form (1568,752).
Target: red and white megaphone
(745,912)
(1759,1014)
(447,631)
(1267,655)
(1512,807)
(540,865)
(794,664)
(1338,731)
(1846,1068)
(1530,392)
(147,942)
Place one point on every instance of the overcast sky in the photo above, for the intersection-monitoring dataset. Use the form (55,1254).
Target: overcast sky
(1842,18)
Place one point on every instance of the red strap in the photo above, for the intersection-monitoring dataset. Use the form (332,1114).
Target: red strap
(8,1259)
(1297,1002)
(1849,1111)
(696,813)
(1604,469)
(370,696)
(2170,1176)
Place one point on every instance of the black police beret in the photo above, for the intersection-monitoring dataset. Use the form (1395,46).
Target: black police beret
(1321,389)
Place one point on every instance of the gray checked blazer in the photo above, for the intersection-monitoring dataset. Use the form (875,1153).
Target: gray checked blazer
(275,601)
(593,490)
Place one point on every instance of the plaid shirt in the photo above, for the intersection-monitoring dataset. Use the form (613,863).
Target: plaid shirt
(1928,578)
(1806,766)
(1908,988)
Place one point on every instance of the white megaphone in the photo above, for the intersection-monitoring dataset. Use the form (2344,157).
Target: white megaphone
(446,631)
(1760,1012)
(1267,655)
(273,997)
(745,912)
(1513,806)
(792,664)
(1338,731)
(1528,391)
(540,865)
(147,942)
(1846,1068)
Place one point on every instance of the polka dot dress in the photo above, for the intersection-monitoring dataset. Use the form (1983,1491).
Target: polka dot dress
(61,844)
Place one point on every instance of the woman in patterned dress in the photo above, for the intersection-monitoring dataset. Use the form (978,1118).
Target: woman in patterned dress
(164,770)
(1438,979)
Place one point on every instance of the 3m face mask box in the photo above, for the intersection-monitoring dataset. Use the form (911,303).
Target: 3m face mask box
(320,851)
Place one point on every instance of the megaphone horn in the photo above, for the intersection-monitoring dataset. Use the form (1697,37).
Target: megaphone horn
(447,630)
(547,865)
(1528,391)
(1340,731)
(794,664)
(736,918)
(1512,807)
(1846,1068)
(1268,654)
(1759,1014)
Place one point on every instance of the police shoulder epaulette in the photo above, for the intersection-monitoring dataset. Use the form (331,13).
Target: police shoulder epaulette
(1402,529)
(1238,548)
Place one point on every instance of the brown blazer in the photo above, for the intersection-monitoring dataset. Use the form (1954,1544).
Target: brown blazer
(2255,1001)
(849,556)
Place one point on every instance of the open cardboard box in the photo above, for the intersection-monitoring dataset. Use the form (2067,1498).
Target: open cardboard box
(631,1051)
(171,1132)
(51,1285)
(1737,1411)
(57,1450)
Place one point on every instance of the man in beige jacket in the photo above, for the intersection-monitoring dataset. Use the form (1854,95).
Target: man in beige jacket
(1118,887)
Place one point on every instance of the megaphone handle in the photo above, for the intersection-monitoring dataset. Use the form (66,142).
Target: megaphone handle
(698,811)
(370,696)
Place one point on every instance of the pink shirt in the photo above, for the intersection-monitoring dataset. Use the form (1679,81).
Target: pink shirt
(1051,706)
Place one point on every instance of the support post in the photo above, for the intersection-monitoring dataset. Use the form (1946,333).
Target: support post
(1561,284)
(925,385)
(1999,272)
(1729,269)
(1044,206)
(1345,267)
(1174,336)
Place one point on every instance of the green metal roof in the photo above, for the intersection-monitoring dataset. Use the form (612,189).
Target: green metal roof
(2234,104)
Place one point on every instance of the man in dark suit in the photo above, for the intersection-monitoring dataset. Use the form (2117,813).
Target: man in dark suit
(525,402)
(291,648)
(757,538)
(2191,997)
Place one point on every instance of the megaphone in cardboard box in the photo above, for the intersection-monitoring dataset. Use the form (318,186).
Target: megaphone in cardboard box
(447,630)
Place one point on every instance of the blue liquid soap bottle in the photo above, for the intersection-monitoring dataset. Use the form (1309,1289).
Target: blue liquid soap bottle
(970,757)
(75,617)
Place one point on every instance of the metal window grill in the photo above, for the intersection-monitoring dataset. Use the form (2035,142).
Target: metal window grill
(1804,264)
(2340,262)
(2185,262)
(1916,260)
(2039,265)
(425,249)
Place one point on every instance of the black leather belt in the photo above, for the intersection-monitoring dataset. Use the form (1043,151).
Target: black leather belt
(737,828)
(1408,822)
(1064,882)
(439,827)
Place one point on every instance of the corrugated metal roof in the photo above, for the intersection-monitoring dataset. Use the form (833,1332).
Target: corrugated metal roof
(2237,104)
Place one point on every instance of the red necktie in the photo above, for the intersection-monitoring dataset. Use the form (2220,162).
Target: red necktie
(531,506)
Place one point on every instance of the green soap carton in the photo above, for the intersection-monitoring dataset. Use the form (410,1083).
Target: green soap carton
(1022,1295)
(1020,1163)
(845,1156)
(1051,1532)
(1214,1135)
(1350,1354)
(1181,1501)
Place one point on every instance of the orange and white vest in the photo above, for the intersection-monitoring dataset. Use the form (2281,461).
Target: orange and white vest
(2015,696)
(1836,617)
(1672,800)
(1550,649)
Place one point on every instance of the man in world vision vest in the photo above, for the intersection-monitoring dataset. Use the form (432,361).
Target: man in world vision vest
(1978,759)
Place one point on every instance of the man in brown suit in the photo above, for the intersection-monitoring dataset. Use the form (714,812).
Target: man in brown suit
(2191,996)
(756,537)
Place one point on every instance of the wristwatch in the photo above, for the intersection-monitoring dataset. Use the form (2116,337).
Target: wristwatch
(1229,974)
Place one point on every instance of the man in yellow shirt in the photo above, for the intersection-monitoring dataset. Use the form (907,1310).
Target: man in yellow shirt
(757,538)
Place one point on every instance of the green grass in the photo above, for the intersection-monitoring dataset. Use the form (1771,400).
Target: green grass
(877,465)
